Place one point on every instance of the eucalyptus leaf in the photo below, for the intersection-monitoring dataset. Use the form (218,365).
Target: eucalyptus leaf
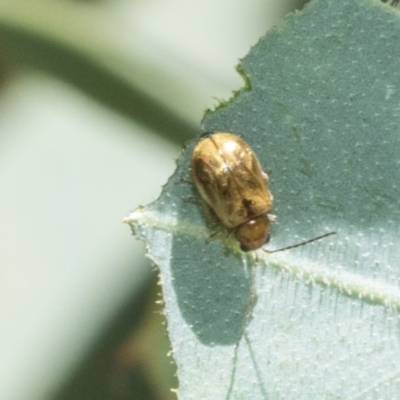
(321,109)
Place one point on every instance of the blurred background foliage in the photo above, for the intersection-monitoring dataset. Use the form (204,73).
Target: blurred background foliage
(96,99)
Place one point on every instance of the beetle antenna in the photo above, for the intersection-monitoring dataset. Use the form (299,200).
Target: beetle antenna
(301,243)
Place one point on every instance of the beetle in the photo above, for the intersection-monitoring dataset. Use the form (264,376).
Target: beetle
(230,180)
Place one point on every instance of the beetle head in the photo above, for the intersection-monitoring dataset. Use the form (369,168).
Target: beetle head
(254,233)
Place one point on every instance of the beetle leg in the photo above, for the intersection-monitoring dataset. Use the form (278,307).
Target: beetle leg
(184,178)
(192,199)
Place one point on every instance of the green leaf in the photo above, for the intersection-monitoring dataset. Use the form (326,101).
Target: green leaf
(322,112)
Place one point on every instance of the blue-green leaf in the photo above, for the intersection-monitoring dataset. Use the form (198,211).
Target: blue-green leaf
(322,111)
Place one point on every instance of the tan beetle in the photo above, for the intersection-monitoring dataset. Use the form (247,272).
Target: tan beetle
(231,181)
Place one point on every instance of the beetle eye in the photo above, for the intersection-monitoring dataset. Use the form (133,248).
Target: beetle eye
(244,248)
